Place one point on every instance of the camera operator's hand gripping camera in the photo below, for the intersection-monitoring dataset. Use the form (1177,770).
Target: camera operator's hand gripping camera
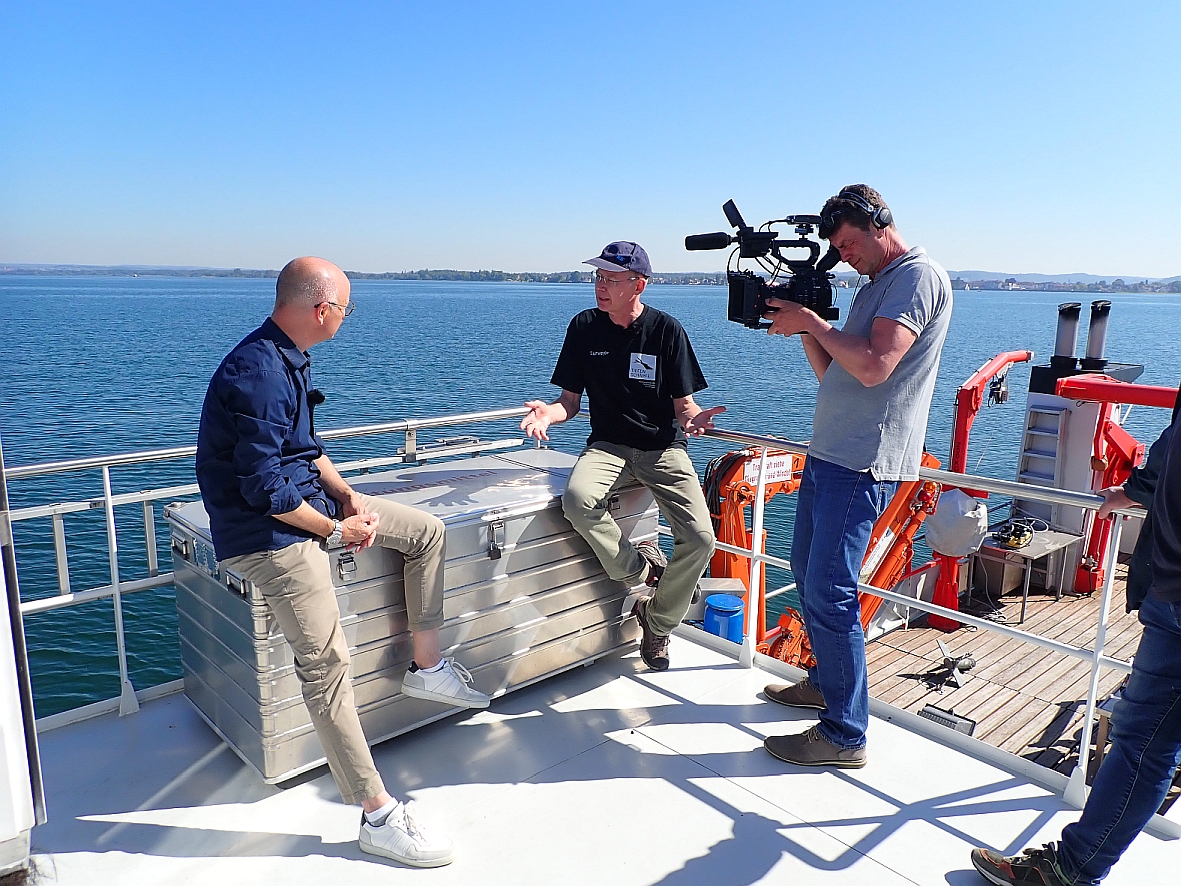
(808,283)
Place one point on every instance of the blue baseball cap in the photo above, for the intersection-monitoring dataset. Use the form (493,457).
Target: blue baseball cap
(622,255)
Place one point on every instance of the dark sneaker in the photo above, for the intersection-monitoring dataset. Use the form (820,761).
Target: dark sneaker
(802,695)
(656,560)
(653,647)
(811,748)
(1036,866)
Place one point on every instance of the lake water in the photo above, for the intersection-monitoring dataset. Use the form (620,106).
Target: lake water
(101,365)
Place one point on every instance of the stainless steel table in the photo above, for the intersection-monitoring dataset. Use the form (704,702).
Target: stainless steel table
(1043,544)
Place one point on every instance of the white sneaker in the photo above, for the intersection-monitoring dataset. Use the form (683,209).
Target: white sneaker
(449,684)
(403,838)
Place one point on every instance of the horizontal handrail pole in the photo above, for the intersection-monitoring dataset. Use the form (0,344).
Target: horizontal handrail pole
(90,504)
(1086,654)
(134,458)
(414,424)
(1027,491)
(61,601)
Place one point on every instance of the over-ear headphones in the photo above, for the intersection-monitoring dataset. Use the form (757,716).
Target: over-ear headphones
(879,215)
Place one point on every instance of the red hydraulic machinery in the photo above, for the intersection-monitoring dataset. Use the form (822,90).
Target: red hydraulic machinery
(969,398)
(1114,453)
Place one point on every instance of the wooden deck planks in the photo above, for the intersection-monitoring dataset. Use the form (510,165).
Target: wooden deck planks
(1025,699)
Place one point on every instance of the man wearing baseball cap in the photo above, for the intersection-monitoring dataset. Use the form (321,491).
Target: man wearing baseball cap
(639,373)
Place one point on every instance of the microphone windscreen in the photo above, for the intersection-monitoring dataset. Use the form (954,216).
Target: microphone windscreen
(720,240)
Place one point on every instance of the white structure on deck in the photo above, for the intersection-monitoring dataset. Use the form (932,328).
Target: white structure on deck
(610,774)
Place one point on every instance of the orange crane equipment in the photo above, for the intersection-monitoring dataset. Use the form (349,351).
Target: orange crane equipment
(731,483)
(887,560)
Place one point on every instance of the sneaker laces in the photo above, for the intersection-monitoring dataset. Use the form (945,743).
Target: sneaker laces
(459,670)
(414,827)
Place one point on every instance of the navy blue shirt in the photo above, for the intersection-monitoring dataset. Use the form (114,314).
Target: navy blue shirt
(256,445)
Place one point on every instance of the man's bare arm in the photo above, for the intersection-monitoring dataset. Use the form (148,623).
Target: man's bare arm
(542,414)
(818,358)
(869,360)
(358,530)
(694,420)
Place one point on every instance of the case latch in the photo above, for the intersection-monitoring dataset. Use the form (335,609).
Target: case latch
(495,539)
(346,567)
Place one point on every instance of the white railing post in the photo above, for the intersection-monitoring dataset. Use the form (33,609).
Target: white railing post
(746,657)
(1076,789)
(128,703)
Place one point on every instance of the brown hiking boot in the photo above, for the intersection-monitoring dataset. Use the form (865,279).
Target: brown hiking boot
(802,695)
(811,748)
(655,559)
(653,647)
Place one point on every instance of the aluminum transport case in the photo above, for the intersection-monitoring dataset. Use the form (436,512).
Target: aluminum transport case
(525,599)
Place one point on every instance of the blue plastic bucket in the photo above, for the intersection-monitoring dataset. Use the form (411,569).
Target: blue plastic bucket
(724,616)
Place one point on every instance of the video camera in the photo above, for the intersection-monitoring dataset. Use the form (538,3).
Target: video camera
(808,283)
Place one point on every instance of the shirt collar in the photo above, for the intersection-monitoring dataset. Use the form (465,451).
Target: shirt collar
(913,252)
(292,354)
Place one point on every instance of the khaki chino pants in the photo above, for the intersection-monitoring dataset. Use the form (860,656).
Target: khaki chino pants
(669,475)
(297,585)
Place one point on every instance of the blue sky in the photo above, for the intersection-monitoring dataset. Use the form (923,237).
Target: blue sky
(1021,137)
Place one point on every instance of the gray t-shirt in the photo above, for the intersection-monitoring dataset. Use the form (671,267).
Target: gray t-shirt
(882,429)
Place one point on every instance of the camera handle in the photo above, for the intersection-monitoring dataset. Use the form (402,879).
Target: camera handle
(797,264)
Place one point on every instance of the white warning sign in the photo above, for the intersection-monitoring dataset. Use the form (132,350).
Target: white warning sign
(778,469)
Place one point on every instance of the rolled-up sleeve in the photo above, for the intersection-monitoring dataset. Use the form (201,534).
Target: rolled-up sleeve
(262,404)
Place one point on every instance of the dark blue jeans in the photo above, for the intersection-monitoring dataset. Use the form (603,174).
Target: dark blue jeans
(835,513)
(1146,748)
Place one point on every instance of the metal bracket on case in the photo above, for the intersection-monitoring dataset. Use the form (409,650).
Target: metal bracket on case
(181,545)
(495,539)
(346,567)
(613,504)
(237,583)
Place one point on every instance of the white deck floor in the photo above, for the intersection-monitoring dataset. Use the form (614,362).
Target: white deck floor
(610,775)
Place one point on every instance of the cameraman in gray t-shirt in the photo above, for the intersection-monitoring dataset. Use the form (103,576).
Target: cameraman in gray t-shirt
(876,376)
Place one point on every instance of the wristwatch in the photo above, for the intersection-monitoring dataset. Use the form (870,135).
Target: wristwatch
(336,535)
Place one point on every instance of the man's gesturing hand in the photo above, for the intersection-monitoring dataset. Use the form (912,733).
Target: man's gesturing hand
(538,420)
(702,421)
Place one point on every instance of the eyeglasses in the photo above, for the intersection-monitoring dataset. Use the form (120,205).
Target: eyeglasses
(344,309)
(603,280)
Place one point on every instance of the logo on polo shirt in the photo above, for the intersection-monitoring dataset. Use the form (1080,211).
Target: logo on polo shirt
(643,367)
(599,353)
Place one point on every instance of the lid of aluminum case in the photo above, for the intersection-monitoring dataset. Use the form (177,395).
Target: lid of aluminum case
(486,485)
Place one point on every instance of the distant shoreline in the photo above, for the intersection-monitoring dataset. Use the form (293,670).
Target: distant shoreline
(984,280)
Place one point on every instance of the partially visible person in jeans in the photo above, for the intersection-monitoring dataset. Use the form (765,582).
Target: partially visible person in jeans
(639,372)
(1136,773)
(276,503)
(877,374)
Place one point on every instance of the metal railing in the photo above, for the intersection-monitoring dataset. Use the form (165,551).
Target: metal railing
(1076,790)
(413,451)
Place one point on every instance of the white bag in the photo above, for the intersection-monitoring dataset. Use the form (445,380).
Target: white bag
(959,524)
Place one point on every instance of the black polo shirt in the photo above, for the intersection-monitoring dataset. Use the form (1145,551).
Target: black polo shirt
(631,376)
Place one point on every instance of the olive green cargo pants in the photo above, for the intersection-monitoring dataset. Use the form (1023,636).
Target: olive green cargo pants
(668,474)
